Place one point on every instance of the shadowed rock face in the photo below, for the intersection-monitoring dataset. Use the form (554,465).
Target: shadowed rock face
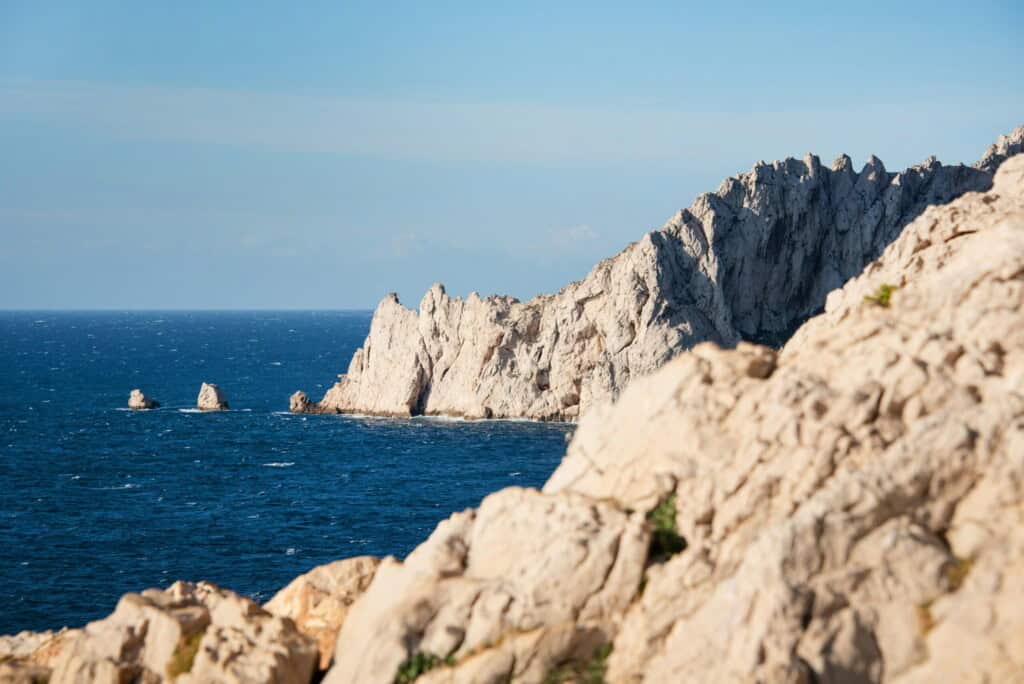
(750,261)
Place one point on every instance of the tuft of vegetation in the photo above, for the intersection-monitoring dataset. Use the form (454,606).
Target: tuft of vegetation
(589,672)
(957,571)
(184,655)
(665,541)
(882,296)
(925,619)
(419,663)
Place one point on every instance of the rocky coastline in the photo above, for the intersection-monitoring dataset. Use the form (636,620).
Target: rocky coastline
(749,262)
(848,508)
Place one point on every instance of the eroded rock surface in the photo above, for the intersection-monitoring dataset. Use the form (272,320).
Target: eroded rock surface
(188,633)
(137,401)
(211,398)
(852,506)
(318,602)
(503,592)
(751,261)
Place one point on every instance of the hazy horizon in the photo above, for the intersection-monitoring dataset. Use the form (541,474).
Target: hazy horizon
(231,157)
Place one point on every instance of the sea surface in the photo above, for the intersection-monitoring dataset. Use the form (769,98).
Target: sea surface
(96,500)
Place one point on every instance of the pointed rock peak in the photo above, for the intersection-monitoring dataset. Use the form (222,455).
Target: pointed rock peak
(842,163)
(873,165)
(435,294)
(1004,147)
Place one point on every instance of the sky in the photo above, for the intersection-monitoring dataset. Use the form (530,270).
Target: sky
(318,155)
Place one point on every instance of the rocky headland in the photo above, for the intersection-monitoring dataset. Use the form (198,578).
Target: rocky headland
(748,262)
(848,508)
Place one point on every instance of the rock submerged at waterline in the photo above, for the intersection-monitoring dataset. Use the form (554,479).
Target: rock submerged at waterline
(750,261)
(137,401)
(211,398)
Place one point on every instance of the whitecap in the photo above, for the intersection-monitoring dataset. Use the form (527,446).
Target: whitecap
(291,551)
(515,474)
(275,363)
(190,410)
(279,464)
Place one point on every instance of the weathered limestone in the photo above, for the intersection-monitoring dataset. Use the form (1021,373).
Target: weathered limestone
(318,602)
(27,657)
(137,401)
(211,398)
(851,505)
(188,633)
(751,261)
(506,591)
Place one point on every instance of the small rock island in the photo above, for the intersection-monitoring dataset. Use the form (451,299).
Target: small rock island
(137,401)
(211,398)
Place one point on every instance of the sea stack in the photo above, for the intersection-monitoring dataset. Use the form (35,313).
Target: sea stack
(301,403)
(137,401)
(211,398)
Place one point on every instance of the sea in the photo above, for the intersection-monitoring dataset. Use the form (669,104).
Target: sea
(97,500)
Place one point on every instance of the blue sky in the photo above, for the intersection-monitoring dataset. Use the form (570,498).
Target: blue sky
(263,155)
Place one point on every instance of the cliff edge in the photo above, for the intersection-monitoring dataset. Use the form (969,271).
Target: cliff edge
(748,262)
(850,508)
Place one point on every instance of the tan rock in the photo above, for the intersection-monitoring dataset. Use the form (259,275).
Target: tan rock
(319,600)
(506,591)
(188,633)
(137,401)
(211,398)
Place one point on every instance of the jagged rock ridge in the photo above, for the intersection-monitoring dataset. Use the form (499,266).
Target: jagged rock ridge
(750,261)
(852,509)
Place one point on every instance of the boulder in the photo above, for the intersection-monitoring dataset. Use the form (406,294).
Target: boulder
(137,401)
(501,593)
(188,633)
(319,600)
(211,398)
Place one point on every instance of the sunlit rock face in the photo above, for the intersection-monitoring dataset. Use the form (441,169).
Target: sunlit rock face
(750,261)
(849,508)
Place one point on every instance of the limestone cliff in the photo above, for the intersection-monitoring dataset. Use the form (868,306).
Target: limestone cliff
(850,509)
(847,509)
(750,261)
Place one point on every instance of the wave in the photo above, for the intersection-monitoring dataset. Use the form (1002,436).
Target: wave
(279,464)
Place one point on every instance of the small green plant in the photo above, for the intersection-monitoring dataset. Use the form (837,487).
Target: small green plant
(882,296)
(419,663)
(589,672)
(184,655)
(925,620)
(665,541)
(957,571)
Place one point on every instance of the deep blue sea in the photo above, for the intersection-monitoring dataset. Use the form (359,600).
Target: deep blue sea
(96,500)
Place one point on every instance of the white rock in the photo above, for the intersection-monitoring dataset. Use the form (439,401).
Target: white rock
(853,506)
(750,261)
(211,398)
(138,401)
(191,634)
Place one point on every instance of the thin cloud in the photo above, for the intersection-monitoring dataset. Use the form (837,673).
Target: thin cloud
(518,133)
